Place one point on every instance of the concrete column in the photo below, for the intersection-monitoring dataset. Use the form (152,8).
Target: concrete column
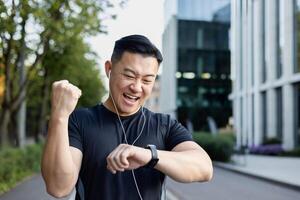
(232,40)
(237,33)
(238,121)
(238,45)
(244,67)
(289,102)
(258,58)
(168,80)
(272,46)
(233,61)
(289,126)
(249,71)
(271,114)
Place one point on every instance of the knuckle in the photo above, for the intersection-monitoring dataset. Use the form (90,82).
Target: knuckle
(123,156)
(108,158)
(61,85)
(121,145)
(54,84)
(115,159)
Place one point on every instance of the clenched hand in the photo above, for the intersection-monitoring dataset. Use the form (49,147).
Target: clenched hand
(64,98)
(127,157)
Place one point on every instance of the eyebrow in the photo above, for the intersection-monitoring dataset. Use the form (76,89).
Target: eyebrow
(132,71)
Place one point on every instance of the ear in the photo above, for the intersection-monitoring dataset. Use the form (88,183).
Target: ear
(108,66)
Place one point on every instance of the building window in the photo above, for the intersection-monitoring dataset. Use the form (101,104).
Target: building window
(279,110)
(241,122)
(297,106)
(200,64)
(200,38)
(264,115)
(252,110)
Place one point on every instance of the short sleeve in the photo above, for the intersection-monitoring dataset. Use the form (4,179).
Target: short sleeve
(177,133)
(75,135)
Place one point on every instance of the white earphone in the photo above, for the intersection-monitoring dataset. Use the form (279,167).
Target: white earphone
(109,74)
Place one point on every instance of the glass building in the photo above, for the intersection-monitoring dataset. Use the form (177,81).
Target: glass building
(195,82)
(265,71)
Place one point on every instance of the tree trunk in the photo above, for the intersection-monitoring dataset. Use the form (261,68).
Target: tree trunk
(5,118)
(21,111)
(42,125)
(13,130)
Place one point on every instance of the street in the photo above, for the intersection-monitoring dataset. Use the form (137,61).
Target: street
(226,185)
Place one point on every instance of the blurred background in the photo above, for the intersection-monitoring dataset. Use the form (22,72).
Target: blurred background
(230,75)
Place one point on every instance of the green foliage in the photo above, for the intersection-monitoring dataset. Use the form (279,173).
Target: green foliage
(273,140)
(294,153)
(52,48)
(219,147)
(77,64)
(16,164)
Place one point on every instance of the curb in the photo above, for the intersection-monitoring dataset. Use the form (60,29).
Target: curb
(250,174)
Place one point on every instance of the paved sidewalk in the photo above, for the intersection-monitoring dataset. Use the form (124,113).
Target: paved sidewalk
(283,170)
(33,188)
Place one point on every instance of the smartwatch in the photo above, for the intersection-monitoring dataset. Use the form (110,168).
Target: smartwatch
(154,156)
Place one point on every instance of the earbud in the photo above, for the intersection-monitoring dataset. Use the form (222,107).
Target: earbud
(109,74)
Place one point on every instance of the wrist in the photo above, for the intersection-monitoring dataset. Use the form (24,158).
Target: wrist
(55,118)
(154,156)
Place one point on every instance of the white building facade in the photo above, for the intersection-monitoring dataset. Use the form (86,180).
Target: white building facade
(265,71)
(175,10)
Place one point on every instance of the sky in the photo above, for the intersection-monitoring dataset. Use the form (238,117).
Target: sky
(137,17)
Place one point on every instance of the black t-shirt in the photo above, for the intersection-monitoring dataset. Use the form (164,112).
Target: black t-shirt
(97,131)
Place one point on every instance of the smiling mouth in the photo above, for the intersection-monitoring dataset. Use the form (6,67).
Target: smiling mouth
(130,97)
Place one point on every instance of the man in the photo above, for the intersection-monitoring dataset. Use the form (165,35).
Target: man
(119,149)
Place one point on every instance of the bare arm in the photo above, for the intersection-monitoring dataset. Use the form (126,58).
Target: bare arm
(187,162)
(60,162)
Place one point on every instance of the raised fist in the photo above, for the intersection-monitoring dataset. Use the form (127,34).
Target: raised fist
(64,98)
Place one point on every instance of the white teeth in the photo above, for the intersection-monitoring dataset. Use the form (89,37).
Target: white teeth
(131,97)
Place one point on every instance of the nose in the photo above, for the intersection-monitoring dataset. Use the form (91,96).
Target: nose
(136,86)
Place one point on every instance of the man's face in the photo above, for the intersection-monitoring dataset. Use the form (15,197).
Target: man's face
(131,81)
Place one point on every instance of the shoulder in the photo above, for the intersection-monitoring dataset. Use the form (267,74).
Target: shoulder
(85,113)
(162,118)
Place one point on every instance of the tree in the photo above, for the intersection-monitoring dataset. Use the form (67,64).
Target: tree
(72,64)
(31,30)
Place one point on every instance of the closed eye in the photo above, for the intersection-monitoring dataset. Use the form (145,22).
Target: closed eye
(129,76)
(147,81)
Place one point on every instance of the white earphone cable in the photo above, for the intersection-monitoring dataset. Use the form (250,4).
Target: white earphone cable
(125,137)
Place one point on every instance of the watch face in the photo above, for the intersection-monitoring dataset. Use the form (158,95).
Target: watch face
(154,158)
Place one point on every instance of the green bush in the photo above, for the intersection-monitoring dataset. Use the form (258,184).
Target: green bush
(273,140)
(16,164)
(295,152)
(219,147)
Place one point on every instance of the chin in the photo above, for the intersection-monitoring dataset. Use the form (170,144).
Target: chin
(129,111)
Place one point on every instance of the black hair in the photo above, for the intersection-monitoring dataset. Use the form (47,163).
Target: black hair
(135,44)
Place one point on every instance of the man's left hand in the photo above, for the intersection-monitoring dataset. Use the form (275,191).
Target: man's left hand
(127,157)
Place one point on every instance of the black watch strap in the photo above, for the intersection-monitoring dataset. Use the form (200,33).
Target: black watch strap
(154,156)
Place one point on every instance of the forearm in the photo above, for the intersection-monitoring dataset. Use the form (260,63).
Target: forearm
(185,166)
(57,164)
